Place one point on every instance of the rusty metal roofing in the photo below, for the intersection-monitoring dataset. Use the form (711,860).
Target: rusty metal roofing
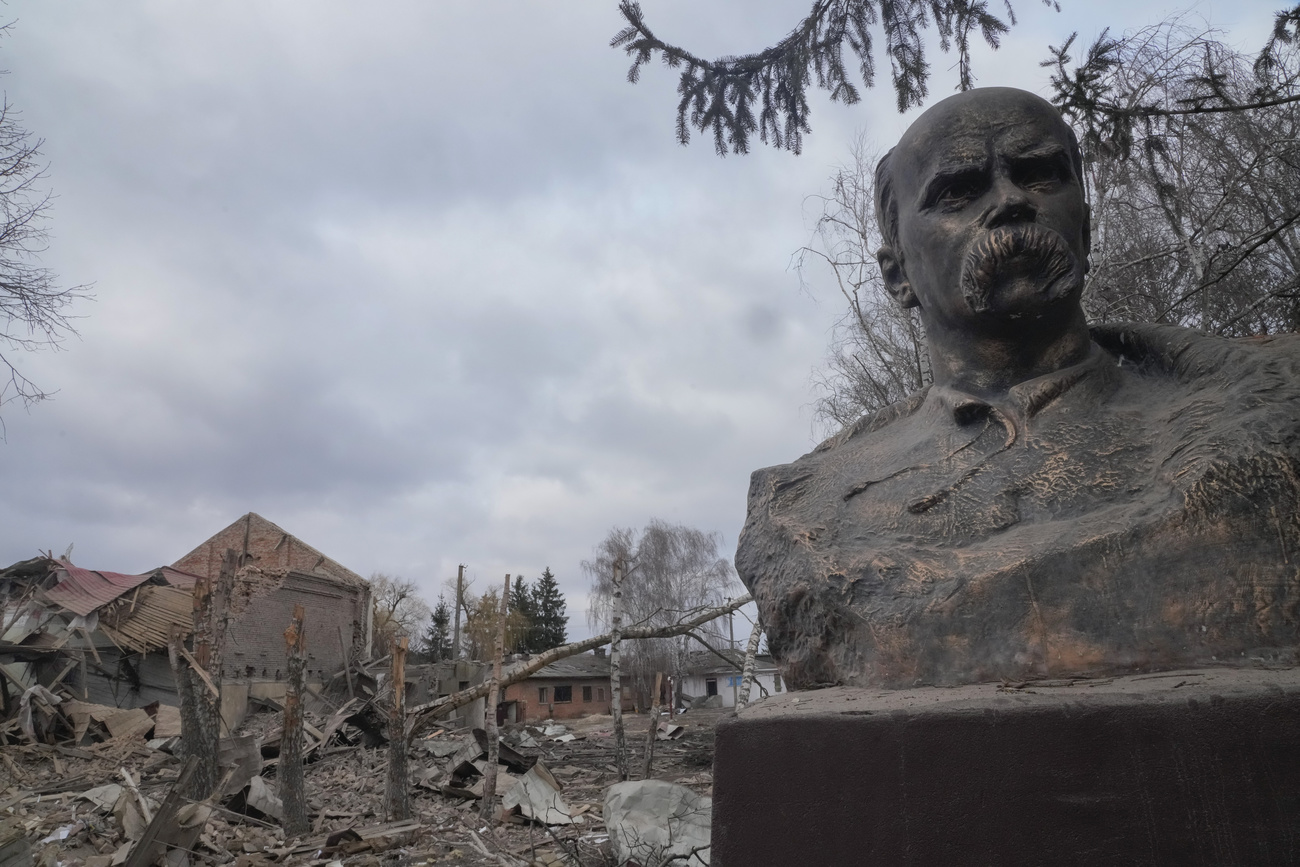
(82,591)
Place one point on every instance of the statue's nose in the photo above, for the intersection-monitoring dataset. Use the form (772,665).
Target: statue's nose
(1009,205)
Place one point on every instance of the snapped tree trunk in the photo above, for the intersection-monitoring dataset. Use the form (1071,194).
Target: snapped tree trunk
(290,770)
(399,779)
(616,676)
(198,677)
(652,733)
(490,713)
(747,673)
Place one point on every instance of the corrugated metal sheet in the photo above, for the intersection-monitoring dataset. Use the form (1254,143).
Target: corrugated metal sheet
(82,591)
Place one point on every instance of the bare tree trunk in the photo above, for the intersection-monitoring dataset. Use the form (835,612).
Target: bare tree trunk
(652,733)
(200,679)
(427,714)
(490,714)
(190,724)
(398,799)
(290,771)
(747,674)
(616,676)
(455,632)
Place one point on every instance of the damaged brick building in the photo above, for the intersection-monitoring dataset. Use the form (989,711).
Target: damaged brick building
(104,634)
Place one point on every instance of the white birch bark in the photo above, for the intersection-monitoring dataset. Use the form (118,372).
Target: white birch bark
(616,676)
(747,673)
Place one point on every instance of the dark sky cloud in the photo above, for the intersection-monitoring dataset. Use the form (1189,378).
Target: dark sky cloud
(424,283)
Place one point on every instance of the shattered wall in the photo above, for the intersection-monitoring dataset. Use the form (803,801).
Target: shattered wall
(255,646)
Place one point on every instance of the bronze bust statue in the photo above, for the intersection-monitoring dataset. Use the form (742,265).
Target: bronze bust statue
(1062,500)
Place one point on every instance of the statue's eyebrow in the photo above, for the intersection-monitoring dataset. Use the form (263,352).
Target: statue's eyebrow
(945,175)
(1042,152)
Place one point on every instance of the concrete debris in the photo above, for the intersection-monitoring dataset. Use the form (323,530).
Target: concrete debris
(652,821)
(536,796)
(103,797)
(669,731)
(258,797)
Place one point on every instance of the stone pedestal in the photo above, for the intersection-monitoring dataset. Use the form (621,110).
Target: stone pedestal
(1198,767)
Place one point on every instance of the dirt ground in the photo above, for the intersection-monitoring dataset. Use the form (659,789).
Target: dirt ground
(41,801)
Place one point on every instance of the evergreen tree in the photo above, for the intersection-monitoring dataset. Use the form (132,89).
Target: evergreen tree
(550,621)
(437,638)
(524,613)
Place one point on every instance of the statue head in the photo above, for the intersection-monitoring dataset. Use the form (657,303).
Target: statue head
(981,205)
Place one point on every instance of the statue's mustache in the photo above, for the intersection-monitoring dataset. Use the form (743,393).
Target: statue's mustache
(1025,251)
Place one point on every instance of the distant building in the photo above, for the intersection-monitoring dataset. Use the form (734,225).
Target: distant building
(575,687)
(707,675)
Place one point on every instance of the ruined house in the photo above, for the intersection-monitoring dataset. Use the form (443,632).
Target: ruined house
(104,635)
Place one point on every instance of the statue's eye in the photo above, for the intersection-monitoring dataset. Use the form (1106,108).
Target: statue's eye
(959,190)
(1040,174)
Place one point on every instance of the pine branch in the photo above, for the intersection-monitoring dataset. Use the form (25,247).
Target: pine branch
(717,95)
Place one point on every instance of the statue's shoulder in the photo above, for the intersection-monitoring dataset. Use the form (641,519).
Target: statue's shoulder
(856,433)
(1194,357)
(875,421)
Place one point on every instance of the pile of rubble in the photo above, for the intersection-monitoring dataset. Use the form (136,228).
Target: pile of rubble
(97,787)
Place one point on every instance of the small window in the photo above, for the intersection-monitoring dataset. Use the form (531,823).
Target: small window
(600,693)
(464,685)
(563,694)
(586,693)
(711,686)
(776,681)
(541,695)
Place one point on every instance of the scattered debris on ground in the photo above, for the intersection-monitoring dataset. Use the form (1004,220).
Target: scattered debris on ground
(84,785)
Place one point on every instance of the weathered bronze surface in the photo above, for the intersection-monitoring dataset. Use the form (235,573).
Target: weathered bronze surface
(1062,500)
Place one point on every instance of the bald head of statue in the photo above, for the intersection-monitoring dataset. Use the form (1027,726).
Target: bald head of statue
(986,232)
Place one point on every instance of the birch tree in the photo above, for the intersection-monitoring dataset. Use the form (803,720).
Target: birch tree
(669,569)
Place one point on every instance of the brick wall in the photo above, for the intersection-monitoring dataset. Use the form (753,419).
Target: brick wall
(532,710)
(333,598)
(255,643)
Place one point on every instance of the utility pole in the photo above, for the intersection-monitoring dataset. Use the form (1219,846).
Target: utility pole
(455,633)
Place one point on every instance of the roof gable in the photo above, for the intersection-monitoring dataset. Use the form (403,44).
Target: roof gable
(267,546)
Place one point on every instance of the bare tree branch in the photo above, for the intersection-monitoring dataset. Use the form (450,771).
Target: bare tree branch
(424,715)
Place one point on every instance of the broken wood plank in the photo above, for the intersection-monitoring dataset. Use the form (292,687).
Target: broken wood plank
(143,853)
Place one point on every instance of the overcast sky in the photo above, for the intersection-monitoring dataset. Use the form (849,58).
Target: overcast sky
(424,282)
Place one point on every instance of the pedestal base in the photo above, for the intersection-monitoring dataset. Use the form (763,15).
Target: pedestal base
(1184,768)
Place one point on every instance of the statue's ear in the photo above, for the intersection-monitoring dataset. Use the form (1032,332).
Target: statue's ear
(896,283)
